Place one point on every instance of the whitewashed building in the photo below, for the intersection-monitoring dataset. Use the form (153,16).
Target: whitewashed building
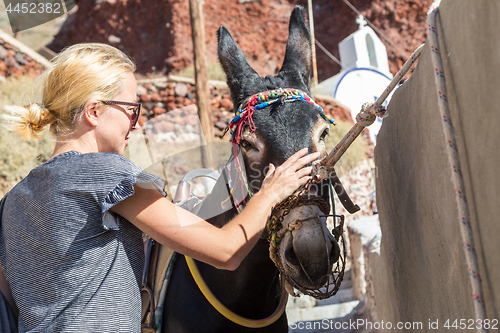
(364,75)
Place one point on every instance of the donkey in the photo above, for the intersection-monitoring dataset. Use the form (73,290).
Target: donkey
(307,254)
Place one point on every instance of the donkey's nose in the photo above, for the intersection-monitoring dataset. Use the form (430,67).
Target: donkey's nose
(290,256)
(313,189)
(334,252)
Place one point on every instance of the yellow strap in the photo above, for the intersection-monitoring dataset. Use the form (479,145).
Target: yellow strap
(223,310)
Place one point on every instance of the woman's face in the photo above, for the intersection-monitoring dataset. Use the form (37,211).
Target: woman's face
(114,123)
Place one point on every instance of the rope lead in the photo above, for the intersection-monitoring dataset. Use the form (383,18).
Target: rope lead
(369,112)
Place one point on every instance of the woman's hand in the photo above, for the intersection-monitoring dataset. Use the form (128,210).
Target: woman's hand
(282,181)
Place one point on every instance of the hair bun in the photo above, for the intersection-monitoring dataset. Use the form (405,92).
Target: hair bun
(37,116)
(41,106)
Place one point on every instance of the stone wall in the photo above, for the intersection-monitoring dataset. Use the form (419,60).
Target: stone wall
(15,62)
(157,34)
(421,273)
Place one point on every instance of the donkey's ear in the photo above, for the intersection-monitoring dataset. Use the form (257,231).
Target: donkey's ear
(298,49)
(235,65)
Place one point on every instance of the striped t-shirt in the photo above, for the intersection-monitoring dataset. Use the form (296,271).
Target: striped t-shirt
(73,265)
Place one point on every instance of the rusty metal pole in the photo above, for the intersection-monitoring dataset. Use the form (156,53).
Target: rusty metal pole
(201,77)
(313,44)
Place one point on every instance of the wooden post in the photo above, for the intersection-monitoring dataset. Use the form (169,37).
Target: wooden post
(313,43)
(201,77)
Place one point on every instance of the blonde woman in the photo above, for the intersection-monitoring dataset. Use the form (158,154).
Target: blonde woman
(70,236)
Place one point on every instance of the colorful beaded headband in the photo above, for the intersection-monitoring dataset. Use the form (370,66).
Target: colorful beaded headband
(260,101)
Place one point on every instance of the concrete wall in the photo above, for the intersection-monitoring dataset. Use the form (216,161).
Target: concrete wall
(421,273)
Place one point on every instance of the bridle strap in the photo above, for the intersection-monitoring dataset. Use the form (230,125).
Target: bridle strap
(240,183)
(261,100)
(344,198)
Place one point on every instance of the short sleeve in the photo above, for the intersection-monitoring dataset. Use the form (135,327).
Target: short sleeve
(126,175)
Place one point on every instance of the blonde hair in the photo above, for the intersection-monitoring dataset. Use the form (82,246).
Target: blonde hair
(80,73)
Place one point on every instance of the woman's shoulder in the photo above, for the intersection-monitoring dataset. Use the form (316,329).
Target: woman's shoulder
(74,156)
(110,162)
(74,169)
(92,162)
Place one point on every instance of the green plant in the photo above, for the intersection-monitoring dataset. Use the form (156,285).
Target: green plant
(17,156)
(353,155)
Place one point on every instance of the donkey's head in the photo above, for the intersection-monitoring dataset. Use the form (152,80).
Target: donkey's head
(278,131)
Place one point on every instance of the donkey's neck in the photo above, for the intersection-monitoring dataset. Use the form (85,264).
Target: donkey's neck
(256,279)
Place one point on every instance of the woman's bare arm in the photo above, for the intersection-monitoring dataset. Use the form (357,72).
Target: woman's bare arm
(223,247)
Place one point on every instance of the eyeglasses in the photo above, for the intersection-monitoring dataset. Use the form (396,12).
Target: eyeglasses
(136,111)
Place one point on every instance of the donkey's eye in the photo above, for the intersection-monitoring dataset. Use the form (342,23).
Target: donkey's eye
(323,135)
(245,144)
